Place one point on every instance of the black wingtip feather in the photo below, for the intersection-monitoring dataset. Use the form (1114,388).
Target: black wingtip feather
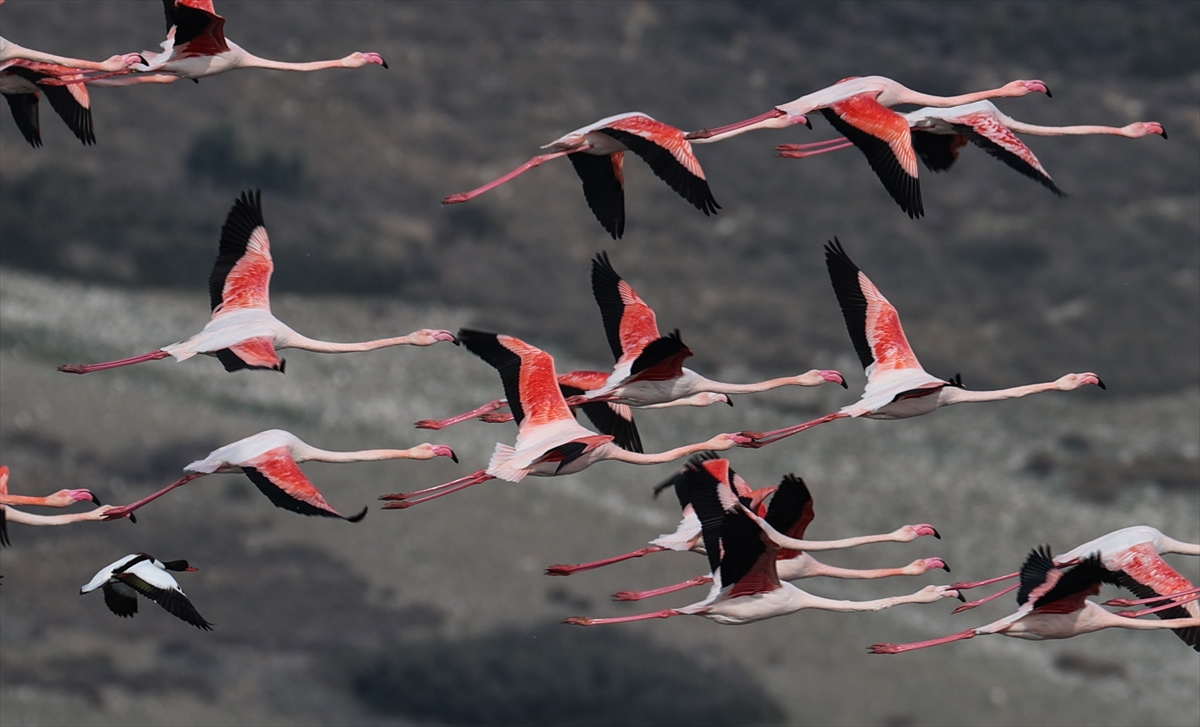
(603,191)
(244,217)
(667,168)
(487,346)
(606,290)
(904,188)
(843,274)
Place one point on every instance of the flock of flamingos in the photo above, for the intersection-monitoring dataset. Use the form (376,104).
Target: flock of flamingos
(753,538)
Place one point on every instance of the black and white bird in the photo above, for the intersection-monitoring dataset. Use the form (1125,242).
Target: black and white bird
(140,574)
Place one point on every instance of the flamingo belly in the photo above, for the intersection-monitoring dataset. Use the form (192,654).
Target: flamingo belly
(225,330)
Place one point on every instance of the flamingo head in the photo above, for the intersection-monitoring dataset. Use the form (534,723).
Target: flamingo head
(1023,88)
(132,59)
(924,529)
(708,398)
(62,498)
(82,495)
(1144,128)
(931,563)
(429,451)
(358,60)
(834,377)
(428,337)
(1070,382)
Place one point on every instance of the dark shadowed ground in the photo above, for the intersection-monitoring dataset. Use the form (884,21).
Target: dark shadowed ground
(443,616)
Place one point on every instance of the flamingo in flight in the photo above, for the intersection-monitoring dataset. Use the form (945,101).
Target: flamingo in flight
(897,386)
(649,370)
(20,85)
(939,134)
(62,498)
(242,333)
(549,441)
(1053,605)
(597,152)
(10,51)
(271,460)
(860,109)
(1134,551)
(196,47)
(790,512)
(138,574)
(747,586)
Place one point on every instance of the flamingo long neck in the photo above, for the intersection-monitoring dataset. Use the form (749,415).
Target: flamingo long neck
(1085,130)
(802,599)
(295,340)
(954,395)
(365,455)
(1170,545)
(22,500)
(830,571)
(909,96)
(249,60)
(719,387)
(784,541)
(25,518)
(669,456)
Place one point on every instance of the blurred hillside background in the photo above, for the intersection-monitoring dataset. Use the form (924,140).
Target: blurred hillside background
(105,252)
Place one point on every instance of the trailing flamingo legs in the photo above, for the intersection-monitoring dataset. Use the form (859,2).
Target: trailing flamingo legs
(566,570)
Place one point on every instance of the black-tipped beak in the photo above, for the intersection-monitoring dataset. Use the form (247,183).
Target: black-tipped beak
(133,518)
(1048,94)
(1100,383)
(385,65)
(945,567)
(453,457)
(95,500)
(195,80)
(1164,134)
(936,534)
(808,123)
(844,384)
(282,365)
(962,598)
(142,58)
(729,400)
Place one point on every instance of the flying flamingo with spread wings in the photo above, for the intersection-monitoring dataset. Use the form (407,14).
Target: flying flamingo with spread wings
(897,386)
(20,83)
(597,151)
(242,333)
(1054,605)
(196,47)
(790,512)
(649,372)
(271,460)
(939,134)
(860,108)
(747,586)
(549,441)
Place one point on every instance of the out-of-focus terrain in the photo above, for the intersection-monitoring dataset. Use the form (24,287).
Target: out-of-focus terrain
(441,614)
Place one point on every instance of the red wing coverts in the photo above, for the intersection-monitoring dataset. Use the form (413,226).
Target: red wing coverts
(668,168)
(872,322)
(603,188)
(253,353)
(629,323)
(278,476)
(174,602)
(527,372)
(882,150)
(1190,636)
(1000,142)
(241,276)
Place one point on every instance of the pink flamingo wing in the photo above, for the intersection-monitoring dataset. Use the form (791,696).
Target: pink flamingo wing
(762,578)
(866,114)
(885,335)
(541,399)
(293,490)
(257,353)
(639,326)
(989,127)
(1143,564)
(583,380)
(664,135)
(241,275)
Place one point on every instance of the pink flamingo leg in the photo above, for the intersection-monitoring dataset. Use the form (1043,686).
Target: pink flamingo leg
(566,570)
(900,648)
(584,621)
(967,606)
(1156,609)
(440,423)
(1125,602)
(639,595)
(787,151)
(435,488)
(497,417)
(707,133)
(88,368)
(533,163)
(966,585)
(127,510)
(761,439)
(401,501)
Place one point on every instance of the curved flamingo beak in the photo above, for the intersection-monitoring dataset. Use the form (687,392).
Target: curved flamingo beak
(927,529)
(937,563)
(802,120)
(442,450)
(834,377)
(81,495)
(446,336)
(1036,86)
(375,58)
(729,400)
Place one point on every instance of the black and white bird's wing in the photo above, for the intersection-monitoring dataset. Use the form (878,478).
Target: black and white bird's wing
(603,188)
(163,590)
(120,599)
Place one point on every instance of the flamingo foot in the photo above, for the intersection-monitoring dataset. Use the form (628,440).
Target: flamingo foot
(456,198)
